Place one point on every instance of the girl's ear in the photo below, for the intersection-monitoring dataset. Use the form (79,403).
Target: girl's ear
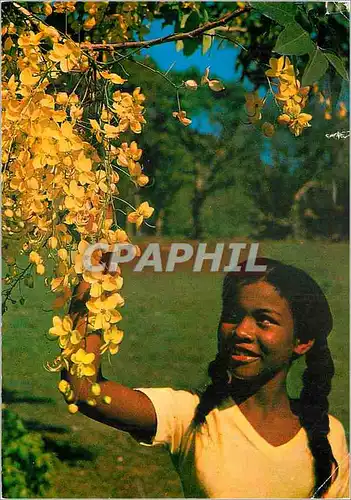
(302,347)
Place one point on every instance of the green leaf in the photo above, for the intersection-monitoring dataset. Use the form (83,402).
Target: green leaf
(192,21)
(184,20)
(190,46)
(337,63)
(316,67)
(282,13)
(294,40)
(206,43)
(179,45)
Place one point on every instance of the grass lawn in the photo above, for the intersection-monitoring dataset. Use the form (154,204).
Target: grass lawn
(170,322)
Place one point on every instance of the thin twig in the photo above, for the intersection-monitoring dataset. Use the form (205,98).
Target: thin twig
(170,38)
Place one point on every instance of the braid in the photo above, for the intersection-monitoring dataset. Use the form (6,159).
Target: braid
(314,411)
(215,393)
(312,320)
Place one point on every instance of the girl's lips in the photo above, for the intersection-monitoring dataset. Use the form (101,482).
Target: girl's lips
(244,358)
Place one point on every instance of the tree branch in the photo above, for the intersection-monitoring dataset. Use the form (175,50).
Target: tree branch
(170,38)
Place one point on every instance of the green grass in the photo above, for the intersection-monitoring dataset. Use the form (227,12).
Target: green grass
(170,322)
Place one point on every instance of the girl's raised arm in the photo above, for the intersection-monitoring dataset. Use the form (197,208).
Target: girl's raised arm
(129,410)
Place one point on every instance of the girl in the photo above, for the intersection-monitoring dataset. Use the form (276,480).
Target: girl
(243,437)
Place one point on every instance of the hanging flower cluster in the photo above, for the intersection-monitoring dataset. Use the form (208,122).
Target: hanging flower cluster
(60,179)
(290,95)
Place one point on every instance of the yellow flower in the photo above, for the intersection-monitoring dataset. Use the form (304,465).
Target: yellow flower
(301,122)
(253,106)
(112,338)
(103,311)
(27,78)
(78,259)
(292,109)
(75,198)
(342,111)
(290,92)
(101,283)
(66,54)
(281,68)
(296,123)
(268,129)
(89,23)
(63,330)
(113,77)
(181,115)
(82,363)
(144,211)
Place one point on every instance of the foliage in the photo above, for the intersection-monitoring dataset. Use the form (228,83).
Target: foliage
(313,175)
(27,469)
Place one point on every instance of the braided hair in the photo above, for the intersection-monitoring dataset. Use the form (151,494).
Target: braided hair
(312,320)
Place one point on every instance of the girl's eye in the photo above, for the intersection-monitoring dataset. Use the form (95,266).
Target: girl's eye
(265,322)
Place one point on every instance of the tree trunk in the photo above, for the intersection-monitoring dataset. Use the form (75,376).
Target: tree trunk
(197,202)
(160,222)
(297,218)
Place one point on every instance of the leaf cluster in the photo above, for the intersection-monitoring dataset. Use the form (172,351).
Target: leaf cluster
(27,469)
(304,31)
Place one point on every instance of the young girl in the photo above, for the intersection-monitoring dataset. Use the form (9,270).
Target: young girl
(243,437)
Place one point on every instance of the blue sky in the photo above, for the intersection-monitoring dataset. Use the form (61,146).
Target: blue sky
(222,61)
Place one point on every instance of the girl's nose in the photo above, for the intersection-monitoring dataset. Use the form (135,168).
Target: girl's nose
(246,328)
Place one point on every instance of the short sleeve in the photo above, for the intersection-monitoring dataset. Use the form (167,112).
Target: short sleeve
(174,412)
(340,488)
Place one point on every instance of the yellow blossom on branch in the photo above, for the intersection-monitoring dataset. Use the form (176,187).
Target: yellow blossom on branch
(82,363)
(181,115)
(101,283)
(63,329)
(144,211)
(112,338)
(281,68)
(103,310)
(253,106)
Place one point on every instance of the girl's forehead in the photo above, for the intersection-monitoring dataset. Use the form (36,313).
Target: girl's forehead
(262,295)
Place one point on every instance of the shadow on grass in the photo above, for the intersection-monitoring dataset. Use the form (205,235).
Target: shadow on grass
(68,452)
(10,396)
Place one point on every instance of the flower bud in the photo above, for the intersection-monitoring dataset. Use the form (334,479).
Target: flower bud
(35,258)
(52,242)
(63,254)
(268,129)
(40,269)
(107,399)
(91,402)
(284,119)
(96,389)
(191,85)
(72,408)
(63,386)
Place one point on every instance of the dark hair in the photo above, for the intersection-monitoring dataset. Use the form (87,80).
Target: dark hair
(312,320)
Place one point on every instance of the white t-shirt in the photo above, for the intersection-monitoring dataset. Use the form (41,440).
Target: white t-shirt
(227,458)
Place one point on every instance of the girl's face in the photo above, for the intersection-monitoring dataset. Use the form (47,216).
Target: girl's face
(260,341)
